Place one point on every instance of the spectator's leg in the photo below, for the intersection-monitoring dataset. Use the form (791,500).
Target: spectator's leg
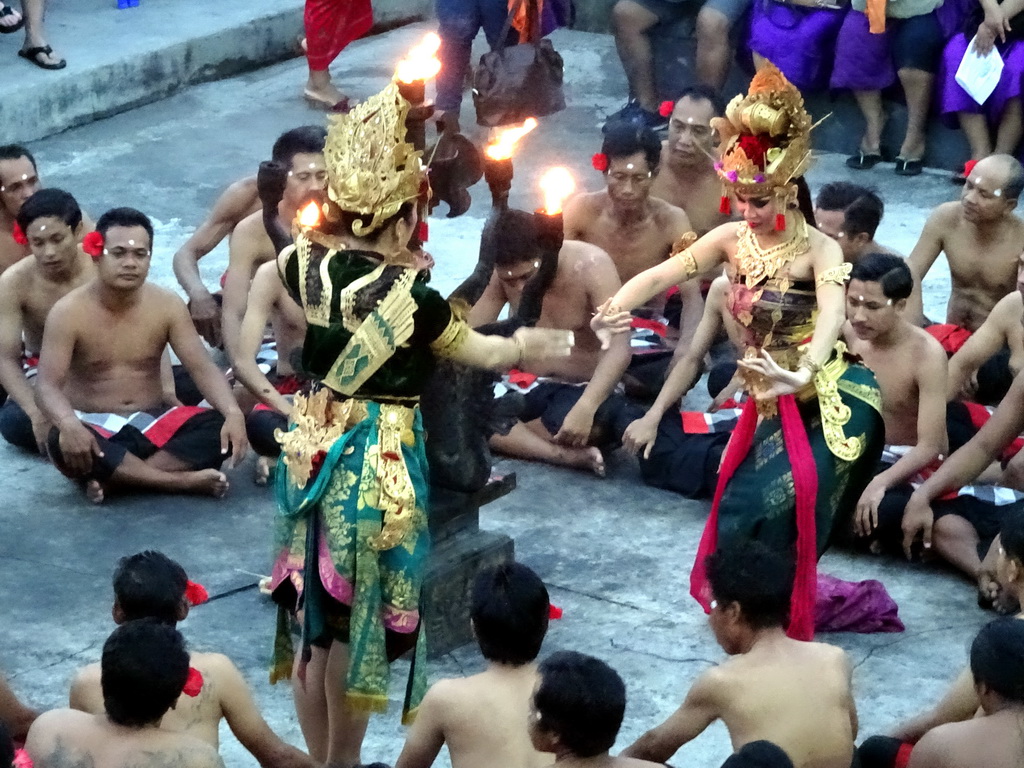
(35,36)
(917,86)
(713,48)
(956,541)
(870,103)
(975,128)
(458,23)
(347,725)
(1011,128)
(630,23)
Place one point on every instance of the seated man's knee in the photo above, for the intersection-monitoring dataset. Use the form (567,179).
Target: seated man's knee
(16,426)
(260,427)
(630,17)
(712,26)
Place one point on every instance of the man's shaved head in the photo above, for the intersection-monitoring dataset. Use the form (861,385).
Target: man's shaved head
(1008,170)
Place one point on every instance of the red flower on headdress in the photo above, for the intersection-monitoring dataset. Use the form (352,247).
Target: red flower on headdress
(755,148)
(194,683)
(196,594)
(21,759)
(19,235)
(554,612)
(665,108)
(600,162)
(969,167)
(92,244)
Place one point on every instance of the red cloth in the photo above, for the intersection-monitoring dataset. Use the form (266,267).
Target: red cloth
(331,25)
(903,755)
(650,325)
(805,482)
(979,415)
(950,336)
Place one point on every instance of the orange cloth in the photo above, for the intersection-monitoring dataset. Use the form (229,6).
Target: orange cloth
(876,16)
(525,19)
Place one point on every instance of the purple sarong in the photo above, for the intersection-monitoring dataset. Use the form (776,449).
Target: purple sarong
(867,62)
(953,98)
(854,606)
(797,40)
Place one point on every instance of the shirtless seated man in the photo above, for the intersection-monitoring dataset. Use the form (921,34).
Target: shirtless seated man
(576,712)
(52,222)
(792,693)
(236,203)
(250,246)
(149,585)
(850,215)
(143,672)
(576,409)
(995,740)
(103,391)
(983,369)
(268,300)
(981,237)
(961,701)
(634,228)
(913,396)
(482,718)
(686,175)
(19,180)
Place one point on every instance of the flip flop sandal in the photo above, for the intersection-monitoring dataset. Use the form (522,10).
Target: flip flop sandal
(863,161)
(905,167)
(6,11)
(342,106)
(33,54)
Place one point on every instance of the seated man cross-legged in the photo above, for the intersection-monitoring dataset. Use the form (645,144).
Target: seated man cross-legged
(574,409)
(103,391)
(52,222)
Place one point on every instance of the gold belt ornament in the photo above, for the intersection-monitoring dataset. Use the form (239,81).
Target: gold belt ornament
(319,419)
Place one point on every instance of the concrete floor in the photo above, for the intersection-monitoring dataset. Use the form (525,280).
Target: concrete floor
(614,553)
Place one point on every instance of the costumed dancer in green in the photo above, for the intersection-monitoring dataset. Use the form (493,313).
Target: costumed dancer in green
(352,536)
(811,431)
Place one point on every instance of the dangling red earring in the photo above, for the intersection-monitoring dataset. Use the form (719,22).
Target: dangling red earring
(780,222)
(724,206)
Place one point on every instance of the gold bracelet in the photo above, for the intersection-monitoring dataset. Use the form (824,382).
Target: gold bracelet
(807,362)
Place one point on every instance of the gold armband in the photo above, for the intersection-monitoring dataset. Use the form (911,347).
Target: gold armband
(451,338)
(838,275)
(689,263)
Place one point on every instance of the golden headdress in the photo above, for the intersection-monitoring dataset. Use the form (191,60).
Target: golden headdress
(371,168)
(765,138)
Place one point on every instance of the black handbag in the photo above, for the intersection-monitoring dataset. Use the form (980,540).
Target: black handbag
(514,82)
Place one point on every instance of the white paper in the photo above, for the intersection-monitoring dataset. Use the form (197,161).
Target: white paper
(979,75)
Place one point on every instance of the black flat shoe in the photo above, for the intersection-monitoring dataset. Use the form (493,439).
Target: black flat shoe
(35,55)
(863,161)
(905,167)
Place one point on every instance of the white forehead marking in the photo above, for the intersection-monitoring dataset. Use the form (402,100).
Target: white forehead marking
(312,165)
(629,166)
(42,227)
(690,120)
(998,193)
(24,177)
(131,242)
(860,298)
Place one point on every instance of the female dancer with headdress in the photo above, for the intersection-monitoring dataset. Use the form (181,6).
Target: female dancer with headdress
(352,533)
(811,430)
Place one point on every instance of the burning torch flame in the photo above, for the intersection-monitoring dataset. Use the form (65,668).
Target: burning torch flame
(505,143)
(421,63)
(309,216)
(557,184)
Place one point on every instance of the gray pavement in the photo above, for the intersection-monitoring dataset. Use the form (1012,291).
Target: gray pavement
(615,554)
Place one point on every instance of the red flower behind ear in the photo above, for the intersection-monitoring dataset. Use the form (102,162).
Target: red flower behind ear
(18,235)
(21,759)
(666,107)
(196,594)
(554,612)
(968,167)
(194,683)
(93,244)
(600,162)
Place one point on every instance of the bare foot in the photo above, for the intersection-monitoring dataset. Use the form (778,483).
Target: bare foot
(206,482)
(590,459)
(94,492)
(264,466)
(988,589)
(326,95)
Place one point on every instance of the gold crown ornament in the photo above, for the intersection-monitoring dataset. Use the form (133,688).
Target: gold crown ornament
(766,141)
(371,168)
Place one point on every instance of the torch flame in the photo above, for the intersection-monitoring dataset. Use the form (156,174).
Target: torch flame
(504,144)
(421,63)
(309,215)
(557,184)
